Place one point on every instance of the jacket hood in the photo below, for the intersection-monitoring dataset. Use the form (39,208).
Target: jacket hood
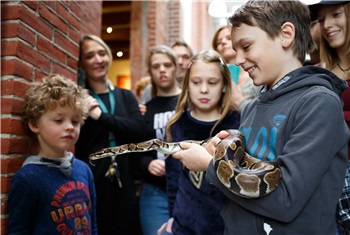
(304,77)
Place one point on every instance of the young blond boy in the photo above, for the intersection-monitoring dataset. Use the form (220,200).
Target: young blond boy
(53,192)
(296,121)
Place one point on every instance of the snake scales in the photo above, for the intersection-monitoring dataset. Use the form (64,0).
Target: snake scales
(242,174)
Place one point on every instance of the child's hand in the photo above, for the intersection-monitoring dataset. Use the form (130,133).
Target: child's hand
(157,167)
(196,157)
(193,156)
(143,108)
(215,141)
(166,227)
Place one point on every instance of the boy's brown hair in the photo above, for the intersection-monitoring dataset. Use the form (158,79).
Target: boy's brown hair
(53,91)
(269,16)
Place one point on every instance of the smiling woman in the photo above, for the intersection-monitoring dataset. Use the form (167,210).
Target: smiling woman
(114,119)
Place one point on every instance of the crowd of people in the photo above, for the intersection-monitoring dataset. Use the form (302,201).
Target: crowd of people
(291,111)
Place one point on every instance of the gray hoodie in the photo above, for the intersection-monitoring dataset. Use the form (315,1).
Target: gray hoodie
(299,124)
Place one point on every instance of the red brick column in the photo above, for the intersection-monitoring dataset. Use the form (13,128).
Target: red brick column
(37,38)
(152,23)
(174,22)
(148,28)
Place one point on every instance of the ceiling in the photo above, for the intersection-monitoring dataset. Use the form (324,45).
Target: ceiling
(117,14)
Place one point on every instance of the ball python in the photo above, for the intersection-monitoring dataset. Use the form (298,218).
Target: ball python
(242,174)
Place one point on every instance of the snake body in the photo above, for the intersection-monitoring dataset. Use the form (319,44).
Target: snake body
(149,145)
(242,174)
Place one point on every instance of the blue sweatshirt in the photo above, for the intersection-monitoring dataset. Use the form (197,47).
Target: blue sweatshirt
(193,203)
(43,200)
(300,125)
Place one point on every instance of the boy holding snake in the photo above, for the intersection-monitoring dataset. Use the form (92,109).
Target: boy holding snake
(280,126)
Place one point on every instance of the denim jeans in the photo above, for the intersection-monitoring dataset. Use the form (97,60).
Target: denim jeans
(153,209)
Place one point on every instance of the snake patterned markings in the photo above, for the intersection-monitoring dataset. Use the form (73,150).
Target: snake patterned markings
(242,174)
(149,145)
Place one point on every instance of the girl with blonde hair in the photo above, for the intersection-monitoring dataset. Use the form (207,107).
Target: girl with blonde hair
(205,107)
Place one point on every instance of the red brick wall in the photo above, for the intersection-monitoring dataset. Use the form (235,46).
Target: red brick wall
(137,41)
(157,13)
(37,38)
(161,22)
(148,28)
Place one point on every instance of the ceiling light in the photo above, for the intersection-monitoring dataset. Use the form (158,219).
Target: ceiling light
(119,53)
(109,30)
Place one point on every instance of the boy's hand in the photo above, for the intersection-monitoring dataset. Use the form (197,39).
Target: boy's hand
(196,157)
(215,141)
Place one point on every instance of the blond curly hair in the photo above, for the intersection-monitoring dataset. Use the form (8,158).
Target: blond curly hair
(53,91)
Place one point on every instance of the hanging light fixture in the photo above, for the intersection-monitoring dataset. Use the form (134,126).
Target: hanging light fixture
(217,8)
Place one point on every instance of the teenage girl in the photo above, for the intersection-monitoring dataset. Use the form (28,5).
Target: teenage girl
(204,108)
(333,17)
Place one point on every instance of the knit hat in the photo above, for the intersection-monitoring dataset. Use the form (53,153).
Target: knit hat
(314,7)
